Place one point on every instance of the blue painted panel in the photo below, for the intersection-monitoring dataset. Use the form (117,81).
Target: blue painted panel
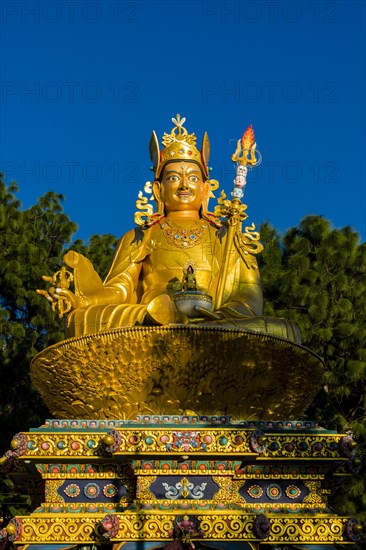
(194,488)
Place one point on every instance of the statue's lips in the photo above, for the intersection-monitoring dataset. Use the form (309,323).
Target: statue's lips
(184,194)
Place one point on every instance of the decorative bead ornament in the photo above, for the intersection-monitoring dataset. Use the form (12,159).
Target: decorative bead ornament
(181,237)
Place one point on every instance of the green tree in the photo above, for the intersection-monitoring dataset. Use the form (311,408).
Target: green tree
(316,276)
(32,242)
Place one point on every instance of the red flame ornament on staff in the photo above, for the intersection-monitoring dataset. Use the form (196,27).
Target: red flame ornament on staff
(246,157)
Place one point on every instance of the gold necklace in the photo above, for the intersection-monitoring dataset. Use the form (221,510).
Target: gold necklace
(183,237)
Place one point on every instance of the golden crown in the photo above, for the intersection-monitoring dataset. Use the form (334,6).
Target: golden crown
(179,145)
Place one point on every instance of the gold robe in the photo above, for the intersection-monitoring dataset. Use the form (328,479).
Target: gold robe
(143,271)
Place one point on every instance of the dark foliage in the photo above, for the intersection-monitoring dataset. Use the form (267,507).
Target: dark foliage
(316,276)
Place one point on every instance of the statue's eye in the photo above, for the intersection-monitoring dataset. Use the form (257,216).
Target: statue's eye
(193,179)
(173,178)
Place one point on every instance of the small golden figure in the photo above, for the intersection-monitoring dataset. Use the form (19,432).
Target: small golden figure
(189,278)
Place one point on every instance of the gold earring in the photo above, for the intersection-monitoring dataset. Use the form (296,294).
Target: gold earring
(159,203)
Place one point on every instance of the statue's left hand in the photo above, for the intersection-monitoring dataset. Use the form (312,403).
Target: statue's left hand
(209,315)
(163,311)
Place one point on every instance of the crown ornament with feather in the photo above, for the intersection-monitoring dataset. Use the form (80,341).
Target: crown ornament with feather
(179,145)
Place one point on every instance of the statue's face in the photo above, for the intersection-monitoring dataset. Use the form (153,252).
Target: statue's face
(182,187)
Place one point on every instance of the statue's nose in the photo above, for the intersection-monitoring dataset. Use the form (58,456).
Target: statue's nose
(183,181)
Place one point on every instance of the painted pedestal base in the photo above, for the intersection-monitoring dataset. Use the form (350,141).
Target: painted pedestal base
(142,483)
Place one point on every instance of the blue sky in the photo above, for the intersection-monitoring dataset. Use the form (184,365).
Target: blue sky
(85,82)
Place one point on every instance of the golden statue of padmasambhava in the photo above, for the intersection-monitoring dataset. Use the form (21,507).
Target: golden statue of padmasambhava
(141,286)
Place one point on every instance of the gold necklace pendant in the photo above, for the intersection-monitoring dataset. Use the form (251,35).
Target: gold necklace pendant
(181,237)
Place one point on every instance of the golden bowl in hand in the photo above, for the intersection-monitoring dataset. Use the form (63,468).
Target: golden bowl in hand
(191,301)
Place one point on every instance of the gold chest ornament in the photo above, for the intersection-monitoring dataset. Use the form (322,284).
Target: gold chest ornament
(183,237)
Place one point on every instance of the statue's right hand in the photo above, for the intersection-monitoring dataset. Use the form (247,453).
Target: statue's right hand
(62,300)
(75,301)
